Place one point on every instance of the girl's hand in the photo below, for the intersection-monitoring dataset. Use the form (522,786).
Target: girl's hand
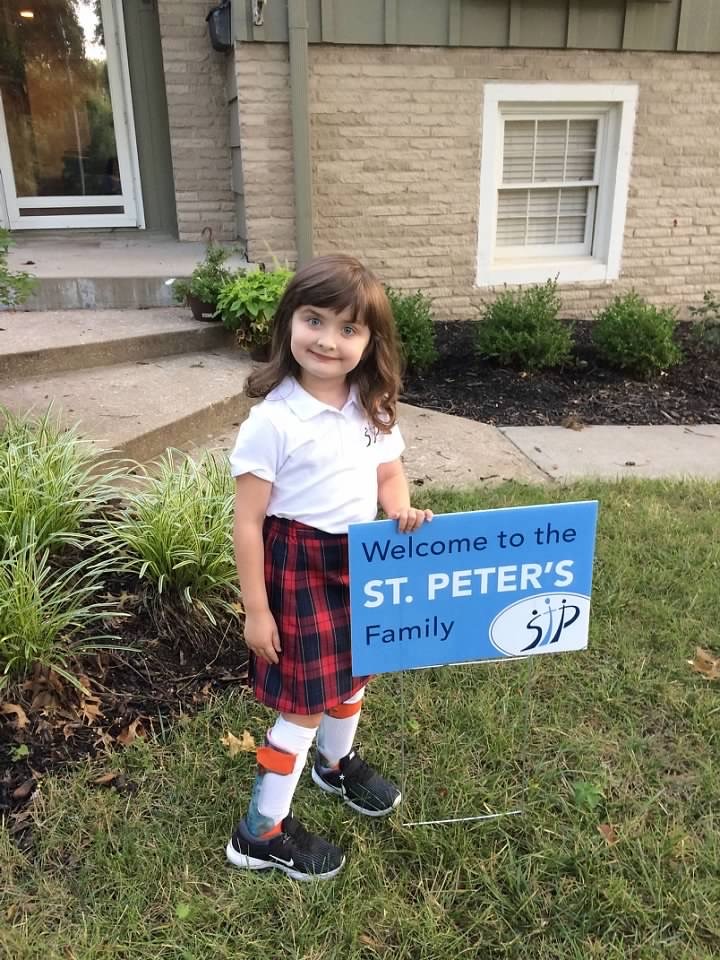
(410,519)
(262,637)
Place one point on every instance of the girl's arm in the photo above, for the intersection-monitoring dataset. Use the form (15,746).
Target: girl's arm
(394,497)
(252,496)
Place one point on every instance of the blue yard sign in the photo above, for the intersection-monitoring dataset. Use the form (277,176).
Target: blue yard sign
(471,586)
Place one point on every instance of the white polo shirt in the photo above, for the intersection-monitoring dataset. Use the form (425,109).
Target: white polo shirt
(321,461)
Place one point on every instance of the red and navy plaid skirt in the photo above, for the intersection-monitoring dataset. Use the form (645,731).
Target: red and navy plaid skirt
(308,587)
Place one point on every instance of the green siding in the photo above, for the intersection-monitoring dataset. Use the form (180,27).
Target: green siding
(685,25)
(421,20)
(699,27)
(596,23)
(534,23)
(651,26)
(485,24)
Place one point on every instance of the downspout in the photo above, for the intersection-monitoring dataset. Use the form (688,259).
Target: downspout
(300,113)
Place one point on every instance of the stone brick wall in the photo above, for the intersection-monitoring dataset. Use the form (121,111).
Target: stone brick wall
(263,91)
(396,152)
(199,121)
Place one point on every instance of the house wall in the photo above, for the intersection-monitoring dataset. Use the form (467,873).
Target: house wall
(199,122)
(396,160)
(263,97)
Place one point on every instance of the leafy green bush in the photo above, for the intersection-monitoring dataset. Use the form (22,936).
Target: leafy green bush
(247,304)
(15,286)
(632,335)
(414,322)
(177,533)
(43,609)
(207,279)
(522,328)
(45,476)
(706,328)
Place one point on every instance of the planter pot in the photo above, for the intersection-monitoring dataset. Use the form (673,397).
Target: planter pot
(201,310)
(260,353)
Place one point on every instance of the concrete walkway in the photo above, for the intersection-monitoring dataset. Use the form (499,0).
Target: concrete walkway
(447,451)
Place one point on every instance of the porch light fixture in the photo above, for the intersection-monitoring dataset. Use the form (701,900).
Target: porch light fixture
(27,14)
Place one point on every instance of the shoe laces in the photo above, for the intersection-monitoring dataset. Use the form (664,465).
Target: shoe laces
(359,770)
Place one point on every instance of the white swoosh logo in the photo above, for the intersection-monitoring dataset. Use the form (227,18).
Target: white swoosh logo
(288,863)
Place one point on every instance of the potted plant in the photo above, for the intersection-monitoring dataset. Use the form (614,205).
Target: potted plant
(202,289)
(247,305)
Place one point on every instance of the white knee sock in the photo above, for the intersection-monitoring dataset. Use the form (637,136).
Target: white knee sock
(273,792)
(336,736)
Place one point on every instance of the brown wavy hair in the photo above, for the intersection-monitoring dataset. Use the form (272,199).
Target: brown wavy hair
(338,282)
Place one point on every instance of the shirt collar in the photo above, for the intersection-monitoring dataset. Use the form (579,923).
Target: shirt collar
(304,405)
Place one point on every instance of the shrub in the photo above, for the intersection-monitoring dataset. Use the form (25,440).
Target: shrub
(706,328)
(177,534)
(207,279)
(632,335)
(247,304)
(15,286)
(416,329)
(43,609)
(522,328)
(45,476)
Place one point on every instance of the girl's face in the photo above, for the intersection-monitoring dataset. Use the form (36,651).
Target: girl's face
(327,345)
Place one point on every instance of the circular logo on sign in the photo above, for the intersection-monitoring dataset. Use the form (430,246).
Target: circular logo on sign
(545,623)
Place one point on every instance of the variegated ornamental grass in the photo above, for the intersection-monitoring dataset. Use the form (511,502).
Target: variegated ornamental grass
(176,533)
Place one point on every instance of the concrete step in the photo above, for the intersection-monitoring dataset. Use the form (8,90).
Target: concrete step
(39,343)
(99,270)
(139,409)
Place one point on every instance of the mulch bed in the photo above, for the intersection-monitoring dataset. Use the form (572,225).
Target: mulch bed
(133,693)
(584,392)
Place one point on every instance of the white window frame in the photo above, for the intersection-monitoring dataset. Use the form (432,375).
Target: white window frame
(614,105)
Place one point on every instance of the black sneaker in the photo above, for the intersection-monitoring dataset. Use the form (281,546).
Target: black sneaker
(359,785)
(299,854)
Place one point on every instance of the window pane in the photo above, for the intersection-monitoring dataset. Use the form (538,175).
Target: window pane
(541,216)
(571,230)
(518,150)
(543,203)
(582,143)
(542,230)
(550,150)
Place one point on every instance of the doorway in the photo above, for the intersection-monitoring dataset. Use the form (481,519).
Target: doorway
(68,156)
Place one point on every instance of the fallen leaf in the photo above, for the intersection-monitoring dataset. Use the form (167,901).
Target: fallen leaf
(70,728)
(608,833)
(91,709)
(106,778)
(131,733)
(21,719)
(237,745)
(706,663)
(19,752)
(24,790)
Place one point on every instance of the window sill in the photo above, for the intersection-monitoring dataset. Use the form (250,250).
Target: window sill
(576,270)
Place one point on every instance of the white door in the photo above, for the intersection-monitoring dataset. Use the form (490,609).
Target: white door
(67,145)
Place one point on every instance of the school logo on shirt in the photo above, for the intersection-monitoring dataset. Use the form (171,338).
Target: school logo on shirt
(371,434)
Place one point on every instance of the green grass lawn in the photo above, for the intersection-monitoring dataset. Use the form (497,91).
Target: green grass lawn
(616,853)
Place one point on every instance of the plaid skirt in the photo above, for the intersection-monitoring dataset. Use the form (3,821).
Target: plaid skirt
(308,587)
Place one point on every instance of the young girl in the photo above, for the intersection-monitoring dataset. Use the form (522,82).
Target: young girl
(317,454)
